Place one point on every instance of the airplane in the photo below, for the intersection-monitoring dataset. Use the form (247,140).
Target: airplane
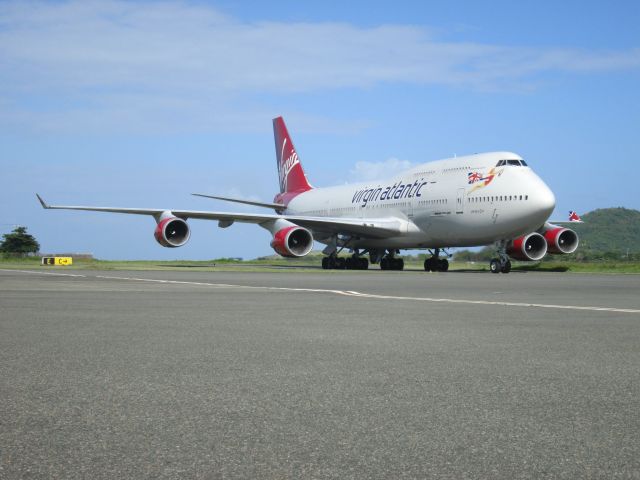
(474,200)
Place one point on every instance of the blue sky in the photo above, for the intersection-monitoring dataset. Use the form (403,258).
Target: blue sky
(143,103)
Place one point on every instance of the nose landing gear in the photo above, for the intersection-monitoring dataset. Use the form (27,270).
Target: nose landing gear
(499,265)
(502,264)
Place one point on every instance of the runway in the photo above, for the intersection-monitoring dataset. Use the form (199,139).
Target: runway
(328,374)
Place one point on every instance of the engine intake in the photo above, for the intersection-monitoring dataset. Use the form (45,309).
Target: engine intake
(561,240)
(529,247)
(172,232)
(292,241)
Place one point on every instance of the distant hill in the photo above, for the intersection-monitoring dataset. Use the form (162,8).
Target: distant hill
(609,230)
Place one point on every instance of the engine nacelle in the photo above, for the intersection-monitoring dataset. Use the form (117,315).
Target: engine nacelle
(561,240)
(172,232)
(529,247)
(292,241)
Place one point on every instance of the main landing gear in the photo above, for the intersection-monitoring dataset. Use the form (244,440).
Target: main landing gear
(391,262)
(502,264)
(435,263)
(354,262)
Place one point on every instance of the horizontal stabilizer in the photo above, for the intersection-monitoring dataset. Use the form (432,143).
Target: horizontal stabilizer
(276,206)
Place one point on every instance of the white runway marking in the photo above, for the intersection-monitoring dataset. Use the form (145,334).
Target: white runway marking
(57,274)
(349,293)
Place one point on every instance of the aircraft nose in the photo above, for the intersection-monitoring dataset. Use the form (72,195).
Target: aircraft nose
(545,199)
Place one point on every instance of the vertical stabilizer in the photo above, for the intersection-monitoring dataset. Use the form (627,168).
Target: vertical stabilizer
(574,217)
(290,172)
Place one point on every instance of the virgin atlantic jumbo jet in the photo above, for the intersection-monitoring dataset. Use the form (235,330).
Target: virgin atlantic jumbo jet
(459,202)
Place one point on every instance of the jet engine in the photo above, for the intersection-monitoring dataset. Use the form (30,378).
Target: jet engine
(560,239)
(529,247)
(172,232)
(292,241)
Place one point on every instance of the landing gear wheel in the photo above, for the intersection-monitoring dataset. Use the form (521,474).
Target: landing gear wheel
(435,263)
(339,263)
(502,263)
(391,263)
(495,266)
(356,263)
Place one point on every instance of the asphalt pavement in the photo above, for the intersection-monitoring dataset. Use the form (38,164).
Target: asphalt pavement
(319,375)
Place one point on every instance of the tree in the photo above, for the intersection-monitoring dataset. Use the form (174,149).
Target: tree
(19,242)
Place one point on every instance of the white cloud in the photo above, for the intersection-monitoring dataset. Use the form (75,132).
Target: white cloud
(366,171)
(171,65)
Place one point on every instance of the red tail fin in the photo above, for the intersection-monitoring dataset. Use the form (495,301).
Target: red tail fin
(574,217)
(290,172)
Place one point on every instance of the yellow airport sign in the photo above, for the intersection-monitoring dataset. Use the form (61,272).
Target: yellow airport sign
(57,260)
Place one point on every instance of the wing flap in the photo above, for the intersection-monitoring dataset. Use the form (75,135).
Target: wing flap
(255,203)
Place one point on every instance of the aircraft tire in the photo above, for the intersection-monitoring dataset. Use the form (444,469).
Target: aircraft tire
(506,268)
(494,266)
(398,264)
(443,265)
(325,263)
(363,263)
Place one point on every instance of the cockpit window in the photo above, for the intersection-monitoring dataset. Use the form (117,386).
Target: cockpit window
(515,163)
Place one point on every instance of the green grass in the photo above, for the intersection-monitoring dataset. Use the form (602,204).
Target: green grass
(302,264)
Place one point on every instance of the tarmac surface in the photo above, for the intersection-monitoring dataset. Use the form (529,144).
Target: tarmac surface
(319,375)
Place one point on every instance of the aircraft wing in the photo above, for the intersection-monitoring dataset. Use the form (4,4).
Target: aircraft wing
(363,227)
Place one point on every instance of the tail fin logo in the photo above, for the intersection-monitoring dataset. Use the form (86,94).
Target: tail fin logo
(290,173)
(574,217)
(285,166)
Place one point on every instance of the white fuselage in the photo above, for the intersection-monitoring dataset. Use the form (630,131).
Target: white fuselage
(463,201)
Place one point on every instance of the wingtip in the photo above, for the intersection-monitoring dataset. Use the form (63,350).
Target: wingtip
(42,202)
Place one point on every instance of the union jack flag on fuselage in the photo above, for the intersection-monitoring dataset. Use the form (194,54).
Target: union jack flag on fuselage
(474,177)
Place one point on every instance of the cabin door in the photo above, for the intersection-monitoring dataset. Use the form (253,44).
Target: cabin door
(460,201)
